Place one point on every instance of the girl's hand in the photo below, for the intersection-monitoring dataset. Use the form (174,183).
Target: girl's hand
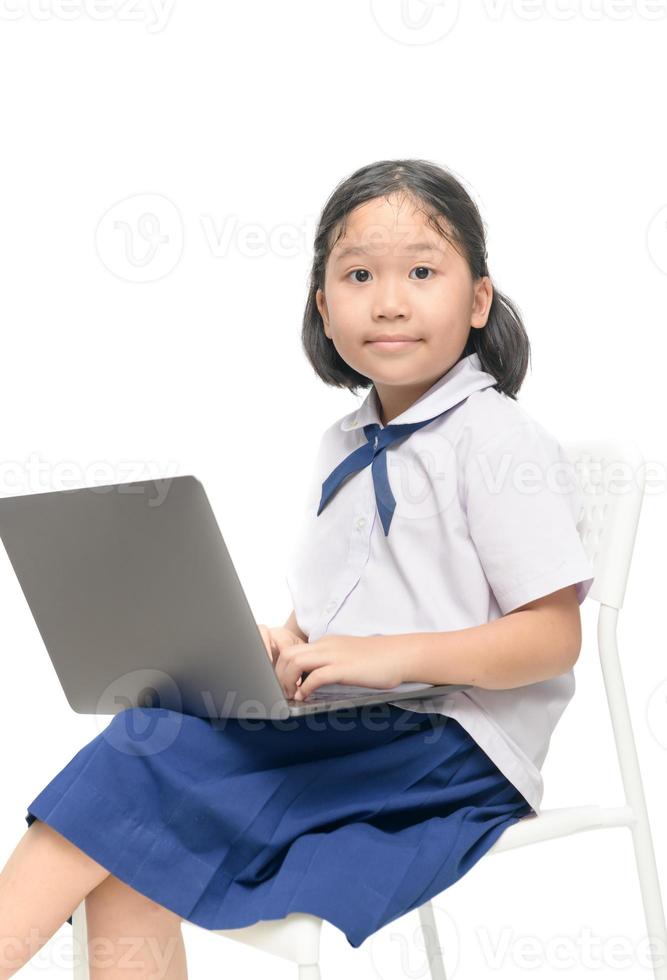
(277,638)
(369,661)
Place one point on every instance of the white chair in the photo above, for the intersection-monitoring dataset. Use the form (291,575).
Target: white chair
(607,526)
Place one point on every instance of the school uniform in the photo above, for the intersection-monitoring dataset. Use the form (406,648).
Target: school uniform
(485,520)
(358,815)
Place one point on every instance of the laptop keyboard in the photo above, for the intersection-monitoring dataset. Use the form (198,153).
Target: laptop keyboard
(329,691)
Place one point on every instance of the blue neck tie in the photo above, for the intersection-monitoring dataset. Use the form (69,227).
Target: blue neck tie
(373,452)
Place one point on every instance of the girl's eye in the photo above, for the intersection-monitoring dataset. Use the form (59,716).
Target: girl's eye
(426,268)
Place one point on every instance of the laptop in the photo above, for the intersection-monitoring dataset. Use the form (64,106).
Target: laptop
(138,603)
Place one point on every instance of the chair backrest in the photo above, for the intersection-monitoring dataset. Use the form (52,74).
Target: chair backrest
(611,474)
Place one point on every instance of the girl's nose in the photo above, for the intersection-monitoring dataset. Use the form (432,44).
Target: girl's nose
(389,301)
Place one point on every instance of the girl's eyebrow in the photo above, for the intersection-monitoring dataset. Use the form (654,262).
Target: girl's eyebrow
(413,247)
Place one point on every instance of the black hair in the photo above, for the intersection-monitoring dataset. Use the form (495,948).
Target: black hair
(502,344)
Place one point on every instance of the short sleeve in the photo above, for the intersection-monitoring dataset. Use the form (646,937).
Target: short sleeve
(523,502)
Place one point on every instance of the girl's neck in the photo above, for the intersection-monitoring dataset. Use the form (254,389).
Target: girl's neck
(391,401)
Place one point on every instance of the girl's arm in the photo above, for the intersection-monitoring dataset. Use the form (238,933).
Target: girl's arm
(539,640)
(292,625)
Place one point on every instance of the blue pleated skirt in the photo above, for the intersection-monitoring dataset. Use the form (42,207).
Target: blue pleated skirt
(356,816)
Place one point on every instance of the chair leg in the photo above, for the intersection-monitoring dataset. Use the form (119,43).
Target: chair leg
(436,962)
(80,943)
(651,898)
(309,971)
(634,789)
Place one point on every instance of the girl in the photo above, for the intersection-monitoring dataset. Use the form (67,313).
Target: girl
(438,544)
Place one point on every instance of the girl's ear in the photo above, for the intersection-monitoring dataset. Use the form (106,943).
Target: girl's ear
(322,307)
(482,301)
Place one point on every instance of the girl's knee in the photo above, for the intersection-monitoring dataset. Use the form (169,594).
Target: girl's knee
(117,899)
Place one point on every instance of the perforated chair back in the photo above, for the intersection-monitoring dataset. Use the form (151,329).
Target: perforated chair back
(611,476)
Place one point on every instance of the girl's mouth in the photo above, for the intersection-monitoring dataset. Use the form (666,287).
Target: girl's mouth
(392,345)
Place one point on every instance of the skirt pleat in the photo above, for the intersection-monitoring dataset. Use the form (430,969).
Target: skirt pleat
(356,816)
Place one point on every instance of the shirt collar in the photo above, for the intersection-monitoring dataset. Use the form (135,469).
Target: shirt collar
(453,387)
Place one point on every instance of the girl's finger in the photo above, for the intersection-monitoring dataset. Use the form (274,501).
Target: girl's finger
(322,675)
(302,665)
(290,649)
(288,670)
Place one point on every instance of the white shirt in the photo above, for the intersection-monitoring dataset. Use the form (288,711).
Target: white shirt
(482,525)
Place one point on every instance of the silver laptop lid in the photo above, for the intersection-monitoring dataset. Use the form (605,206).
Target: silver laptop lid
(137,599)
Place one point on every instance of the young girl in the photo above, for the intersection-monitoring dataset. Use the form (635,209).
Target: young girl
(439,544)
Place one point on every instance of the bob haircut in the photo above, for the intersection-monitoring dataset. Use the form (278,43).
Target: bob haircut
(502,344)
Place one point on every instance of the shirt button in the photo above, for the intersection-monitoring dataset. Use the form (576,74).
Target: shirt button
(360,521)
(330,606)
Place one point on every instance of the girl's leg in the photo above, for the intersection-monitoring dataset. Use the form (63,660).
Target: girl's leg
(129,935)
(43,881)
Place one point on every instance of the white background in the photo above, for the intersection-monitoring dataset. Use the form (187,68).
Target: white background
(121,361)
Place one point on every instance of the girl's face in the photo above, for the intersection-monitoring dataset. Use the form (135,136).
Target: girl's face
(392,275)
